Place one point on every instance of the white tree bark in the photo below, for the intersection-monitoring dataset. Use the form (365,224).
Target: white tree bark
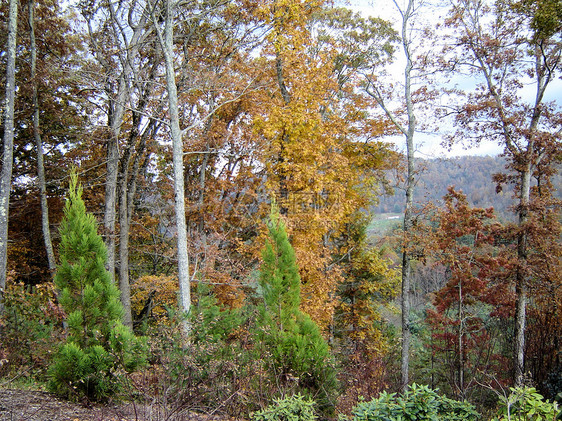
(7,158)
(128,40)
(167,43)
(39,144)
(410,183)
(407,129)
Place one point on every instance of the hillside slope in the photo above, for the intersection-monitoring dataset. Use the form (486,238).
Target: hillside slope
(471,174)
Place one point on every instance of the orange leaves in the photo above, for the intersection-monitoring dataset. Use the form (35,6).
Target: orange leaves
(155,294)
(317,172)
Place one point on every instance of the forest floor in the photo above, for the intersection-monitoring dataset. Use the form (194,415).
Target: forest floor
(29,405)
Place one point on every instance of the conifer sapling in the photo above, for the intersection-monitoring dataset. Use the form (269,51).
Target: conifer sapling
(99,349)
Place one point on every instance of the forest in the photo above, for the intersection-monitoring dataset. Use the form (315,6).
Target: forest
(187,197)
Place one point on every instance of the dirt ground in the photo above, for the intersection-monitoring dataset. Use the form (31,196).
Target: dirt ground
(24,405)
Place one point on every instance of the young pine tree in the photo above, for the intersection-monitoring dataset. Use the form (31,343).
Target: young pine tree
(299,354)
(98,348)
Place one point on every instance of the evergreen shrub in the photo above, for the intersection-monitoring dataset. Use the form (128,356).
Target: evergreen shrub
(99,350)
(207,371)
(526,404)
(418,403)
(292,408)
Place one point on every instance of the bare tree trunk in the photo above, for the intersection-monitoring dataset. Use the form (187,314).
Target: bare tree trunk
(127,191)
(410,183)
(461,350)
(520,281)
(166,40)
(408,130)
(124,225)
(115,121)
(7,158)
(39,144)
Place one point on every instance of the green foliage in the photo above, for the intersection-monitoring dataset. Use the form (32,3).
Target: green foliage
(292,408)
(210,371)
(98,348)
(212,322)
(526,404)
(299,356)
(416,404)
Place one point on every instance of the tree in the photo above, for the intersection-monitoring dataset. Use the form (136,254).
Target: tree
(406,125)
(322,158)
(371,283)
(505,46)
(98,346)
(126,85)
(7,157)
(298,351)
(39,142)
(125,27)
(61,112)
(465,336)
(166,40)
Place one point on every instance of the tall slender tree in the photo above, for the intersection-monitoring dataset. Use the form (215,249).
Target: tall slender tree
(7,157)
(406,125)
(124,26)
(41,181)
(166,39)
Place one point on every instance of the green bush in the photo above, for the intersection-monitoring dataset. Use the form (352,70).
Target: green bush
(526,404)
(290,343)
(212,322)
(209,372)
(293,408)
(418,403)
(99,350)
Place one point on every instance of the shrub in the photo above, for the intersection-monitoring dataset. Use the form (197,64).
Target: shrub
(418,403)
(28,329)
(526,404)
(293,408)
(98,348)
(210,372)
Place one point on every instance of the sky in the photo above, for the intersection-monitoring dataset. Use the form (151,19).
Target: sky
(428,145)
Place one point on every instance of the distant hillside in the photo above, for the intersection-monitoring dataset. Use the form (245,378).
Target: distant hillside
(471,174)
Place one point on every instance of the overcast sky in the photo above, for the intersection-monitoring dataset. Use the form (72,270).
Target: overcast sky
(429,145)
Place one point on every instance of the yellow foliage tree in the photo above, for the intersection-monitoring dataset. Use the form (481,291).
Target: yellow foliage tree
(318,170)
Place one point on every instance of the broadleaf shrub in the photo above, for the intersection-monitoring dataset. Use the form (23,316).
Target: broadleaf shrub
(28,329)
(292,408)
(526,404)
(416,404)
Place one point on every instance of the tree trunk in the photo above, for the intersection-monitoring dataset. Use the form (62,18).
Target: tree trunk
(7,158)
(39,144)
(127,191)
(408,131)
(177,141)
(410,183)
(126,180)
(124,225)
(115,120)
(117,109)
(520,281)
